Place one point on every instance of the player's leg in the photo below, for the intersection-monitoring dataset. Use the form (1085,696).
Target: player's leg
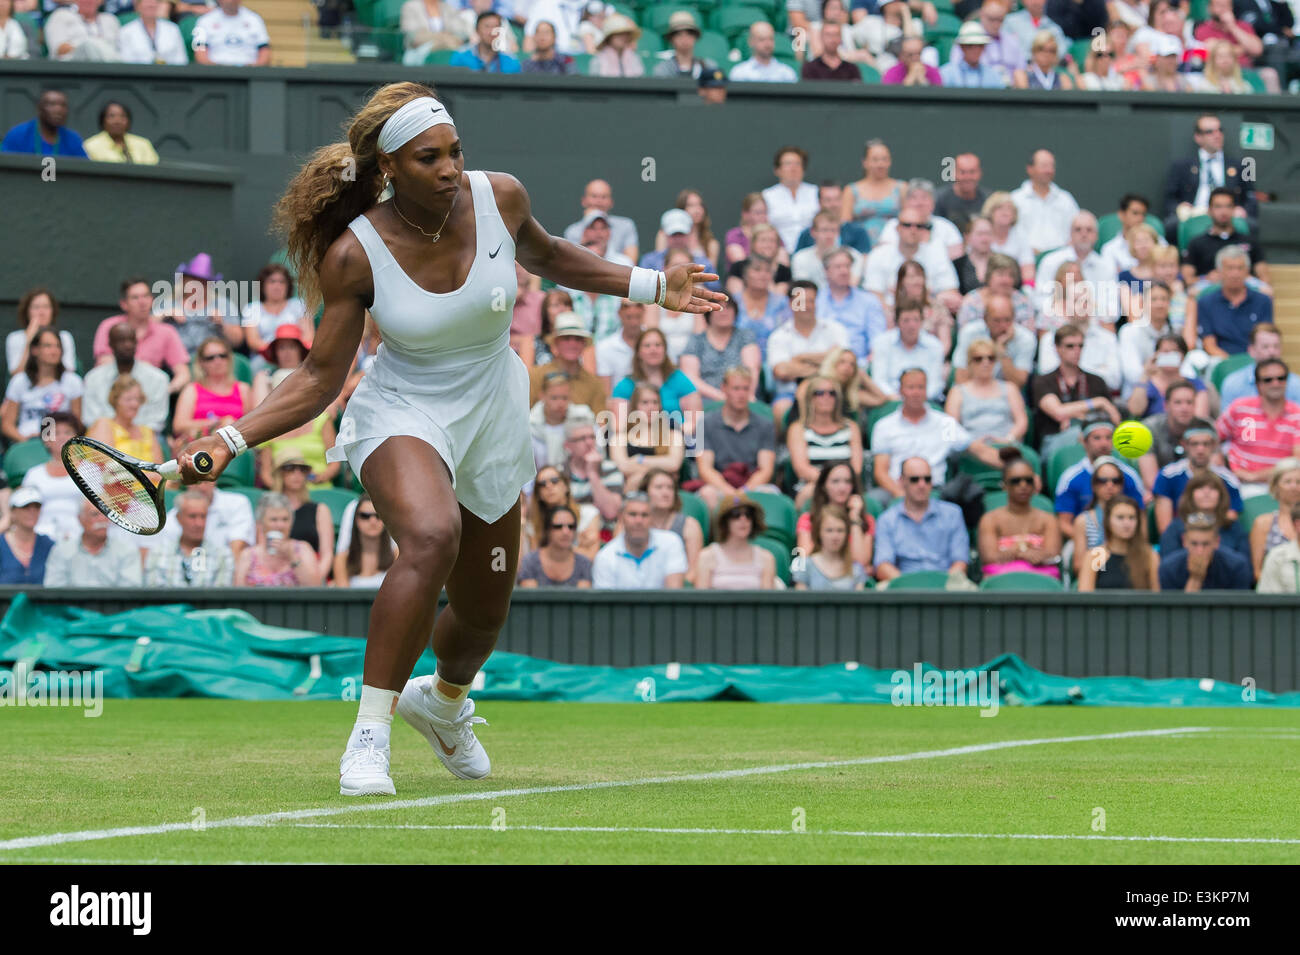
(478,599)
(410,487)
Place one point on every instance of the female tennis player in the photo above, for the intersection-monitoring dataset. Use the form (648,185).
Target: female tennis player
(438,429)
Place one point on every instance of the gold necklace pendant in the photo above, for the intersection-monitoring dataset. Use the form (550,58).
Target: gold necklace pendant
(437,235)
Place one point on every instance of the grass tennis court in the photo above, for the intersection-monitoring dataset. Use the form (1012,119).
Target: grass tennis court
(226,775)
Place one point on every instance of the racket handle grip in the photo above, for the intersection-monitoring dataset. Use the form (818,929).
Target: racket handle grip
(202,463)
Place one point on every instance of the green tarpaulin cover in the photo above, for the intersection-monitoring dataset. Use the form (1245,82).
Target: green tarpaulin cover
(174,650)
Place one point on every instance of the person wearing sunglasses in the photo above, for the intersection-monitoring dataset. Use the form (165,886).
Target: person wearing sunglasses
(914,233)
(1123,559)
(1076,485)
(1018,536)
(920,532)
(1061,401)
(984,406)
(214,399)
(312,522)
(1261,431)
(370,550)
(1087,530)
(556,563)
(822,436)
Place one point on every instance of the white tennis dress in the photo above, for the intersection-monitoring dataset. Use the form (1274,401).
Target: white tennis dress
(445,372)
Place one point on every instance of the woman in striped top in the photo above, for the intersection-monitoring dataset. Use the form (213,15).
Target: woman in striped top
(823,436)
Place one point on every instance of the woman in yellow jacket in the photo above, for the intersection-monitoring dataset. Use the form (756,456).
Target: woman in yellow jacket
(114,144)
(120,431)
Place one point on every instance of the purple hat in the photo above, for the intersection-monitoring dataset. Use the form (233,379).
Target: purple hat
(200,267)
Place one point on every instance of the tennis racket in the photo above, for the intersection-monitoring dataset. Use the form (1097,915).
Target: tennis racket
(119,486)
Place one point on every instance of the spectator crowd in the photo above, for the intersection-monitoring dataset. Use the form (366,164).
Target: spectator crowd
(904,380)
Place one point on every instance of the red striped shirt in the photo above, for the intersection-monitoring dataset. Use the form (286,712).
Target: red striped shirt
(1258,441)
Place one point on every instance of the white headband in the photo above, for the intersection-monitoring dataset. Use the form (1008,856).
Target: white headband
(410,121)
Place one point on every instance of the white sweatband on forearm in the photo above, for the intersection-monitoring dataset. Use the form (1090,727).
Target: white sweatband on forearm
(234,440)
(645,285)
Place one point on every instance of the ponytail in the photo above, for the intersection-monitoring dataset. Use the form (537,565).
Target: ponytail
(338,183)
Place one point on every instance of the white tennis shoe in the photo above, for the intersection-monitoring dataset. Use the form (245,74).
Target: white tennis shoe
(453,741)
(363,771)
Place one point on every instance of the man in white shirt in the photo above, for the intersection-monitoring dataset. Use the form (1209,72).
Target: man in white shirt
(99,380)
(760,67)
(806,264)
(614,353)
(1045,210)
(230,521)
(1014,344)
(908,345)
(885,260)
(231,35)
(94,559)
(916,430)
(77,32)
(148,39)
(791,203)
(642,557)
(797,347)
(944,237)
(599,196)
(1132,213)
(1025,23)
(1096,270)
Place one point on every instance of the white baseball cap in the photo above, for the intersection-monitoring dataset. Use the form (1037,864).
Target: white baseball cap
(676,222)
(24,496)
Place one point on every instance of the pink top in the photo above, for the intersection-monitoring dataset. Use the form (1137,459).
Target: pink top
(257,577)
(895,75)
(160,347)
(730,576)
(210,404)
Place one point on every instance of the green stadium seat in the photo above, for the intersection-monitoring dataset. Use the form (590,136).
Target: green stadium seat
(1226,367)
(124,18)
(1039,258)
(1079,49)
(869,73)
(239,473)
(1108,226)
(1021,581)
(734,20)
(996,499)
(692,506)
(713,46)
(1059,463)
(582,64)
(169,497)
(778,513)
(650,42)
(254,494)
(920,580)
(780,553)
(385,14)
(22,457)
(1253,507)
(1255,80)
(439,57)
(991,478)
(336,499)
(947,24)
(875,414)
(186,25)
(1193,226)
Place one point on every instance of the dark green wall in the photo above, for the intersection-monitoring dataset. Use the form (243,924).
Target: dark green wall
(1226,636)
(555,133)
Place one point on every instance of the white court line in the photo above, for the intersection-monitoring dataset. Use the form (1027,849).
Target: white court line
(92,835)
(26,860)
(828,832)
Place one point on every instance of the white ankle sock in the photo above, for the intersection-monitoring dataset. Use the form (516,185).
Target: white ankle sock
(374,718)
(447,706)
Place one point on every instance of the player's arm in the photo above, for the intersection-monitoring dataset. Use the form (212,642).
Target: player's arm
(347,288)
(572,266)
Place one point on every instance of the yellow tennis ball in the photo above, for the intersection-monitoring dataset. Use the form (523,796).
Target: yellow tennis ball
(1132,439)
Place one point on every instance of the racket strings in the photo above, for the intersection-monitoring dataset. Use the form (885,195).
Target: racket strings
(120,494)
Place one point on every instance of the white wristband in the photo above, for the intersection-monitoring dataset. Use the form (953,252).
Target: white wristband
(663,289)
(234,440)
(644,285)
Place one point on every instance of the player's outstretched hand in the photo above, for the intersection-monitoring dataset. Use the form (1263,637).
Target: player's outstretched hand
(216,446)
(686,291)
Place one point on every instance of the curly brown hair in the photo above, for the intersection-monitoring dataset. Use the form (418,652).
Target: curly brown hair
(338,183)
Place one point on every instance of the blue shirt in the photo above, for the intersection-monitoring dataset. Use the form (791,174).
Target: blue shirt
(859,311)
(936,543)
(852,236)
(1232,537)
(670,395)
(1074,489)
(12,572)
(1241,384)
(1173,478)
(778,311)
(981,76)
(1231,326)
(1156,401)
(655,260)
(1228,570)
(468,57)
(25,138)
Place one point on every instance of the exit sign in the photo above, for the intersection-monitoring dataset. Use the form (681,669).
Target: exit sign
(1256,135)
